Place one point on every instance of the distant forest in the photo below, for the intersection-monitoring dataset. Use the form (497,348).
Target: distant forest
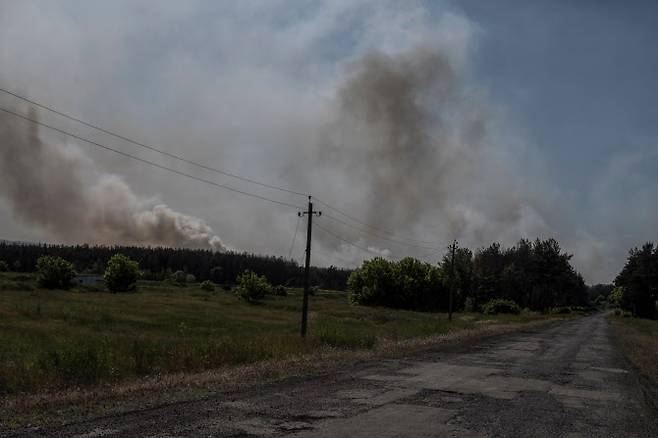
(534,275)
(159,263)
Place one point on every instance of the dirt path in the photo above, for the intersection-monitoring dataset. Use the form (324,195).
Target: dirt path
(568,381)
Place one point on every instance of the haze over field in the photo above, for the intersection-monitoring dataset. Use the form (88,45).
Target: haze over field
(440,121)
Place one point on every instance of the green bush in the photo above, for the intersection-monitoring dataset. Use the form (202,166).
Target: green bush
(189,278)
(406,284)
(616,296)
(208,285)
(500,305)
(54,272)
(121,274)
(252,287)
(564,310)
(4,267)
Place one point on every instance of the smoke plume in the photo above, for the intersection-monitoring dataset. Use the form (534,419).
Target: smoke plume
(48,186)
(414,144)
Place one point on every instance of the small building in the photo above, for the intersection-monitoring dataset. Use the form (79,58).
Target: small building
(88,279)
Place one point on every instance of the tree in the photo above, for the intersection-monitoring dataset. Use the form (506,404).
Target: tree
(54,272)
(216,274)
(157,263)
(463,273)
(617,295)
(372,284)
(252,287)
(121,274)
(406,284)
(536,275)
(599,290)
(639,279)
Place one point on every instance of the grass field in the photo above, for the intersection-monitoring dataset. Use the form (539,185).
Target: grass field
(51,340)
(639,339)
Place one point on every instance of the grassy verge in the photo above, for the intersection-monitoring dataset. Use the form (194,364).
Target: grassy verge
(84,346)
(639,340)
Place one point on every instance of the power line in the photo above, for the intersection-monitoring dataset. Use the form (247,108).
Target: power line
(396,239)
(292,244)
(391,233)
(151,163)
(362,248)
(335,258)
(151,148)
(399,242)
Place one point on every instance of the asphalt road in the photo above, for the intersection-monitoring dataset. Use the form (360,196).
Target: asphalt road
(568,380)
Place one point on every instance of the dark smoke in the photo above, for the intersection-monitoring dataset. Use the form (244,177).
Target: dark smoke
(46,187)
(413,141)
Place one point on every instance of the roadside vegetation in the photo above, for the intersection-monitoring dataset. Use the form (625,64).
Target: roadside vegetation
(633,299)
(639,339)
(59,331)
(537,276)
(57,339)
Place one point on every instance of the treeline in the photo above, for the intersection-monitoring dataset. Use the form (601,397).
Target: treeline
(159,263)
(637,284)
(535,275)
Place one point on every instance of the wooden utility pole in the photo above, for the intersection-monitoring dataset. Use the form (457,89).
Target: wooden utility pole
(453,247)
(307,267)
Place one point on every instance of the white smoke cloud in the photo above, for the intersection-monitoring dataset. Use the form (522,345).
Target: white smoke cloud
(58,189)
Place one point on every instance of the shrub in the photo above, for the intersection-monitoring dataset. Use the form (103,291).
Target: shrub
(4,267)
(189,278)
(500,305)
(564,310)
(407,284)
(208,285)
(54,272)
(252,287)
(121,274)
(617,295)
(280,291)
(179,277)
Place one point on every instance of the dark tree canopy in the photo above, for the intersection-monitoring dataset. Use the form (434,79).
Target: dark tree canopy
(536,275)
(159,263)
(639,280)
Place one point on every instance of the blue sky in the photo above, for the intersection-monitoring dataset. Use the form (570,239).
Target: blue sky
(566,91)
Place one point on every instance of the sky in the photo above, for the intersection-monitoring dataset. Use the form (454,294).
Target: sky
(426,121)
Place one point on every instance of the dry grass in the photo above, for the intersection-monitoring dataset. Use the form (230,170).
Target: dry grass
(639,340)
(71,354)
(78,403)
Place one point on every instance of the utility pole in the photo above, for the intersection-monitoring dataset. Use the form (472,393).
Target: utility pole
(307,267)
(452,248)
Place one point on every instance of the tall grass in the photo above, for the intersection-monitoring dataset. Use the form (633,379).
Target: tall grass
(61,339)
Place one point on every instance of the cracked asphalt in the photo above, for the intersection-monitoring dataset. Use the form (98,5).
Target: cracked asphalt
(568,380)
